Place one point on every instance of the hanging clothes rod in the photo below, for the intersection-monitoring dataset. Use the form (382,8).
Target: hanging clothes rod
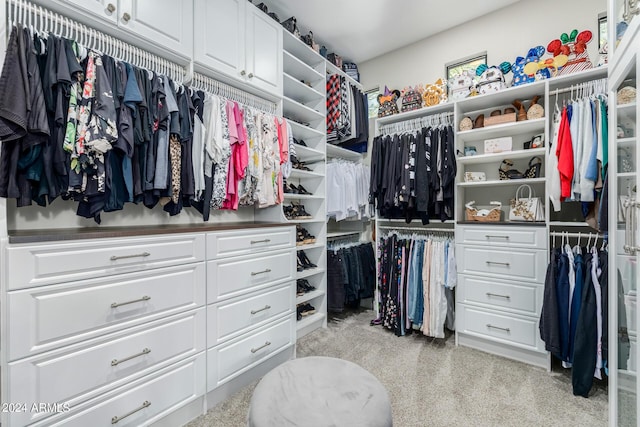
(343,235)
(599,84)
(421,229)
(39,19)
(416,124)
(574,235)
(232,93)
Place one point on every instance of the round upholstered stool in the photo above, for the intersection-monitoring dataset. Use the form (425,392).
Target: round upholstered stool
(319,392)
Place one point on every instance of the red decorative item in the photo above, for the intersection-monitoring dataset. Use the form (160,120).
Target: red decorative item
(574,46)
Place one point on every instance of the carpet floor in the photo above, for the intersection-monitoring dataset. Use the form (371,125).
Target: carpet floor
(432,382)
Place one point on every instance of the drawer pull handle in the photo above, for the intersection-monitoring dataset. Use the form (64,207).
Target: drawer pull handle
(253,242)
(266,307)
(489,325)
(255,273)
(126,17)
(489,236)
(266,344)
(116,419)
(117,257)
(118,304)
(111,8)
(116,362)
(506,264)
(489,294)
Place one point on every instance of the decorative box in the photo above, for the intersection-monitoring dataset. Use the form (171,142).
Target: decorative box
(498,145)
(492,213)
(502,118)
(475,176)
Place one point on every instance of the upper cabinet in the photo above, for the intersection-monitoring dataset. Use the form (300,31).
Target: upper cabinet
(168,23)
(240,42)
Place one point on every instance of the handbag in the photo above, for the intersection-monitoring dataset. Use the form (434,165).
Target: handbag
(529,208)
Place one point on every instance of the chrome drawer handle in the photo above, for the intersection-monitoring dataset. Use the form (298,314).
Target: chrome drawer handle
(266,307)
(489,325)
(118,304)
(266,344)
(116,419)
(255,273)
(506,264)
(489,294)
(116,362)
(117,257)
(489,236)
(253,242)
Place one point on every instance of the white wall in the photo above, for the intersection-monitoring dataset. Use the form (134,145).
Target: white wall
(504,35)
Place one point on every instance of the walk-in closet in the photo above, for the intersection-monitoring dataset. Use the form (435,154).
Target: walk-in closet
(319,214)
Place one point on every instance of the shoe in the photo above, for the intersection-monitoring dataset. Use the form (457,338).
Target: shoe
(298,211)
(300,266)
(307,309)
(306,263)
(300,290)
(305,285)
(299,312)
(300,142)
(292,189)
(479,122)
(303,237)
(301,190)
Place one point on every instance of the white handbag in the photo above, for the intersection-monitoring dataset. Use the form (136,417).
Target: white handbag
(529,208)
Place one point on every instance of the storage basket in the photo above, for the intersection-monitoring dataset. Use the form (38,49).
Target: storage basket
(502,118)
(491,213)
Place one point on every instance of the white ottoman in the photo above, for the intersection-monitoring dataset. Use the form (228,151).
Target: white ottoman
(319,392)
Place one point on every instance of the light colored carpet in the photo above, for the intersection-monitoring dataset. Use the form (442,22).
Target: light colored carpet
(434,383)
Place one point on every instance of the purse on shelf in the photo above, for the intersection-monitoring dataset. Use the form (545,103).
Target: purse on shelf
(526,207)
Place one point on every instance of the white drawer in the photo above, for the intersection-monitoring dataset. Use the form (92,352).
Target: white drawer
(502,263)
(509,236)
(165,391)
(48,317)
(38,379)
(229,360)
(224,244)
(518,297)
(233,317)
(232,277)
(506,328)
(51,263)
(630,306)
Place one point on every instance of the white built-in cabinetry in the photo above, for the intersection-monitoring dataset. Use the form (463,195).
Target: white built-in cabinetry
(139,329)
(237,39)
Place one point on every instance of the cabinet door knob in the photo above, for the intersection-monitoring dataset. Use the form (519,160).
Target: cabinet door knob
(126,17)
(111,8)
(243,72)
(250,75)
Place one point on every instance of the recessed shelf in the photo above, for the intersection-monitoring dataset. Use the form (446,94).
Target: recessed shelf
(310,246)
(504,182)
(339,152)
(297,173)
(626,142)
(291,196)
(626,108)
(337,234)
(301,131)
(300,112)
(300,50)
(297,68)
(626,175)
(488,158)
(505,129)
(308,154)
(309,321)
(309,272)
(299,91)
(300,299)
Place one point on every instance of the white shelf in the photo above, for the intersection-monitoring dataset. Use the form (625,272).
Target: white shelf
(505,182)
(332,69)
(291,196)
(342,234)
(308,154)
(567,224)
(626,142)
(309,323)
(309,272)
(309,296)
(300,50)
(504,129)
(414,114)
(310,246)
(297,173)
(488,158)
(626,175)
(504,97)
(301,113)
(303,132)
(297,68)
(299,91)
(629,108)
(567,80)
(304,221)
(342,153)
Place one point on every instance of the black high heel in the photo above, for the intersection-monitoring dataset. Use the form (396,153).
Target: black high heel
(301,189)
(306,263)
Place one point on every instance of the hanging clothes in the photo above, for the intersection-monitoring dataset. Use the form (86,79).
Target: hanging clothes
(416,280)
(347,190)
(347,114)
(351,275)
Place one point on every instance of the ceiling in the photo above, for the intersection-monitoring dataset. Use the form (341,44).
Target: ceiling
(360,30)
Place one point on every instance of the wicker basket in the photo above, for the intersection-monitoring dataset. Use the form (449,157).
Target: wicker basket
(491,213)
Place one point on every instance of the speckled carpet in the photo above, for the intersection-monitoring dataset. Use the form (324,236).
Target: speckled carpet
(434,383)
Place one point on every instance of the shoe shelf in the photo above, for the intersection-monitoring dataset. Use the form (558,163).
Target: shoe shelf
(505,129)
(301,299)
(306,133)
(299,91)
(297,48)
(505,182)
(309,272)
(300,70)
(339,152)
(308,154)
(292,196)
(310,323)
(301,113)
(487,158)
(336,234)
(309,246)
(299,173)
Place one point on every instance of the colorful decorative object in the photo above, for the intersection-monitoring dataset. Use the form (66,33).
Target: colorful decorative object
(387,101)
(462,85)
(574,46)
(411,98)
(491,79)
(519,76)
(435,93)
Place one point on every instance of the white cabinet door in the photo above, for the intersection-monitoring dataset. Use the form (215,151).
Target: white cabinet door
(219,26)
(264,51)
(102,9)
(165,22)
